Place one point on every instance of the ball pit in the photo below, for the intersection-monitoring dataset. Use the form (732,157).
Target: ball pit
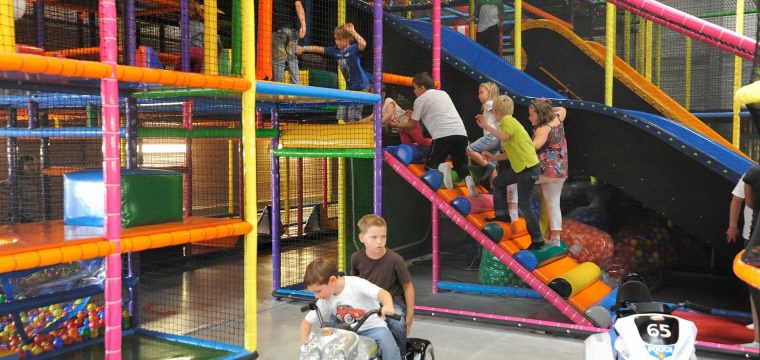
(587,243)
(86,324)
(494,272)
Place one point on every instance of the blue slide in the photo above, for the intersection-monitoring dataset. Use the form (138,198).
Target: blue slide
(671,169)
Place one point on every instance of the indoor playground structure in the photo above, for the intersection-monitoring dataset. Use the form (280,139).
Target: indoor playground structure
(150,153)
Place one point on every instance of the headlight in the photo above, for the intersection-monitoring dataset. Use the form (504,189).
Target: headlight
(309,351)
(334,352)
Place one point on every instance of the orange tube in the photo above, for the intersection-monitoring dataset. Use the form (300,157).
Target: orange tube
(589,296)
(33,259)
(555,269)
(37,247)
(264,42)
(90,69)
(168,77)
(54,66)
(402,80)
(746,272)
(154,241)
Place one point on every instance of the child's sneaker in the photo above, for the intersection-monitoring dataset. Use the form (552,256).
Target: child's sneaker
(446,171)
(471,186)
(553,242)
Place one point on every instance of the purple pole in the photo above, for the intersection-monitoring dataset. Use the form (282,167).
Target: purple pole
(39,19)
(275,218)
(34,116)
(377,71)
(299,195)
(12,146)
(184,29)
(133,258)
(187,123)
(130,115)
(436,248)
(130,40)
(42,116)
(241,193)
(437,41)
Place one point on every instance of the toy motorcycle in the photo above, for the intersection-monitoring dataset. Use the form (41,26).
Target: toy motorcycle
(340,340)
(643,329)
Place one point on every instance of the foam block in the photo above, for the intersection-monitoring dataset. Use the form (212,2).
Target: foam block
(575,280)
(408,154)
(480,203)
(532,259)
(147,197)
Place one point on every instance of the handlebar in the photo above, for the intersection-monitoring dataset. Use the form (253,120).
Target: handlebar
(359,323)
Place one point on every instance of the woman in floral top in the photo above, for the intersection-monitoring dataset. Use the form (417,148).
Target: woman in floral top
(549,140)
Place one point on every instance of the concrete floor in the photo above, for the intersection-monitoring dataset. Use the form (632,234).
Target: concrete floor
(210,296)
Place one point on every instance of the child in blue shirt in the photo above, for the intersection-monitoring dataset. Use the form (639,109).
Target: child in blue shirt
(347,52)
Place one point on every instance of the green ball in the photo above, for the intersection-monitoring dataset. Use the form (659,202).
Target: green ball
(494,231)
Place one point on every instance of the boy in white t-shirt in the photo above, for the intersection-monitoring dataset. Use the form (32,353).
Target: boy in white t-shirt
(436,111)
(337,294)
(733,230)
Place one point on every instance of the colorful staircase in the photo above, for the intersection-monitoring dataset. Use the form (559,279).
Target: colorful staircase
(507,240)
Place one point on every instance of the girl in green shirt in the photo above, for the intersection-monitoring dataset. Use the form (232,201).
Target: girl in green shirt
(523,168)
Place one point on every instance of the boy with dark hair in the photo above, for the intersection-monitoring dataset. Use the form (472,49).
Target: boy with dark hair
(333,291)
(436,111)
(386,269)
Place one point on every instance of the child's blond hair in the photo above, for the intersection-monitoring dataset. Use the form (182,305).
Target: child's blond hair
(319,271)
(341,32)
(493,91)
(503,105)
(368,221)
(195,10)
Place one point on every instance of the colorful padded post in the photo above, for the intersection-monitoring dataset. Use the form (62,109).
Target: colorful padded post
(532,259)
(576,279)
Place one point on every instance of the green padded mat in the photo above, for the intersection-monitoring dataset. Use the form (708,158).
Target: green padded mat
(142,347)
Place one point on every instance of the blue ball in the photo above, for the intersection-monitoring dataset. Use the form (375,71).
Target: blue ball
(58,342)
(433,178)
(527,259)
(462,204)
(405,154)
